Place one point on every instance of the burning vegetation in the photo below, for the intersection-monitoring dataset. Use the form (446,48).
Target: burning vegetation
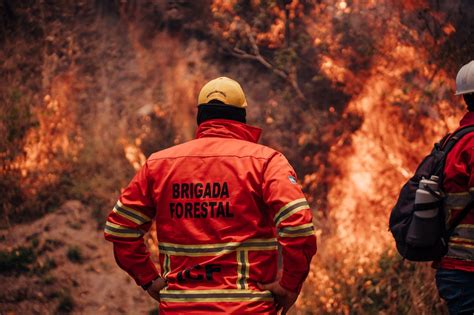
(353,92)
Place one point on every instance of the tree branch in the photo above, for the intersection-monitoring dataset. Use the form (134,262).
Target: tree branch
(255,55)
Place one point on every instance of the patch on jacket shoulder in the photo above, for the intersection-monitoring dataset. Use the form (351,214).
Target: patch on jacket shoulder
(292,179)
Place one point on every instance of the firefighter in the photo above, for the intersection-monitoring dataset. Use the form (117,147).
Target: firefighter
(223,205)
(455,274)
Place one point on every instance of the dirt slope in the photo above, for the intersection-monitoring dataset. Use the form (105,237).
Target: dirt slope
(62,264)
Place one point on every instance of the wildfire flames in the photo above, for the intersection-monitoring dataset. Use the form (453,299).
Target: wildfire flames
(55,138)
(384,151)
(403,98)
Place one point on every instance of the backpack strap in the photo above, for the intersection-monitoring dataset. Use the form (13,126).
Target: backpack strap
(443,141)
(454,137)
(448,142)
(446,147)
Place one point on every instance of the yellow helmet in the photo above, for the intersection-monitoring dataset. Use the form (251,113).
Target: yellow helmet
(225,90)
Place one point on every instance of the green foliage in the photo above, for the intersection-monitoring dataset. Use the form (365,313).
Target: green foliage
(285,57)
(66,303)
(48,279)
(74,225)
(15,121)
(103,169)
(18,206)
(24,259)
(50,245)
(43,268)
(74,254)
(154,311)
(17,260)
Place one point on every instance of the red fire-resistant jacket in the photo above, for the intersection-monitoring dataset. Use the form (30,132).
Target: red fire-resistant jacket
(459,185)
(222,205)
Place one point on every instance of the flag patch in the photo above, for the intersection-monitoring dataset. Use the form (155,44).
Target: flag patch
(292,179)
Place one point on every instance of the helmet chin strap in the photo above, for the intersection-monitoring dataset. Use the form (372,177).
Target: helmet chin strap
(469,99)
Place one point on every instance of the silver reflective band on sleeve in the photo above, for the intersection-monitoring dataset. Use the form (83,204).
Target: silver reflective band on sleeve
(465,231)
(289,209)
(229,295)
(130,214)
(457,200)
(297,231)
(216,249)
(121,231)
(461,243)
(461,251)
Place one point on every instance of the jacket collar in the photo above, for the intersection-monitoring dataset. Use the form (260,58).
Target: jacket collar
(468,119)
(223,128)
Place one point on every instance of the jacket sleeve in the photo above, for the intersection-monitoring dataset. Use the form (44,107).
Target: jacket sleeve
(126,225)
(293,219)
(470,165)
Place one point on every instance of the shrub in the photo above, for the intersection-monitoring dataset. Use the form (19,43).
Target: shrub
(74,254)
(66,303)
(16,261)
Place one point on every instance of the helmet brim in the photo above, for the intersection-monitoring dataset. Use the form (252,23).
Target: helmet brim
(464,92)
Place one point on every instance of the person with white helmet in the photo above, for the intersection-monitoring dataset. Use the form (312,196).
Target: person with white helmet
(455,274)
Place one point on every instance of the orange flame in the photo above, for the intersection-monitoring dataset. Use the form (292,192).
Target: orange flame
(55,137)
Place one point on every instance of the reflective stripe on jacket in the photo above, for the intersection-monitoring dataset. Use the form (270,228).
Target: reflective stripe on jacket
(459,186)
(222,205)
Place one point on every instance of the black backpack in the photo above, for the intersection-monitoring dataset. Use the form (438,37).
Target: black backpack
(403,212)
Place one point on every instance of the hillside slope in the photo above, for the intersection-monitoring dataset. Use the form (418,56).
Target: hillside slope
(61,263)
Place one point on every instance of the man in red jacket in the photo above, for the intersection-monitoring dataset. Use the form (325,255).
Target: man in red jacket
(455,276)
(222,205)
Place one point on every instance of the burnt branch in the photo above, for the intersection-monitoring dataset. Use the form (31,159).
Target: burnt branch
(255,55)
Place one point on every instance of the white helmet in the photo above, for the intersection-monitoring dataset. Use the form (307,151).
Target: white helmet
(465,79)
